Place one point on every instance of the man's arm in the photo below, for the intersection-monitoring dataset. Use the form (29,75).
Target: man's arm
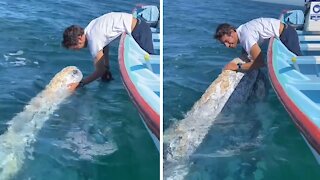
(244,56)
(257,61)
(100,68)
(107,76)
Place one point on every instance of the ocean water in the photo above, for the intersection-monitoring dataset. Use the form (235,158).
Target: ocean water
(95,134)
(256,141)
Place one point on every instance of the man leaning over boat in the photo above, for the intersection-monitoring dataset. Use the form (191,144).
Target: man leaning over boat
(251,34)
(97,36)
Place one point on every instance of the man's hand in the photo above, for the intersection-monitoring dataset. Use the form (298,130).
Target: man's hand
(107,76)
(73,86)
(231,66)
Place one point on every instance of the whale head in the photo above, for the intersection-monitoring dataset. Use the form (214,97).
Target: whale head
(66,76)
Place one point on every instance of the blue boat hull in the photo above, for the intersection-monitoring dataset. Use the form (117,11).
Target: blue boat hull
(296,81)
(140,74)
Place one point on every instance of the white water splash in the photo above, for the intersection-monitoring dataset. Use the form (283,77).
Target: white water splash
(15,59)
(18,53)
(86,148)
(181,140)
(23,128)
(18,63)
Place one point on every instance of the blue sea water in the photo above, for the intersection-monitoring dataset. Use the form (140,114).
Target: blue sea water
(258,140)
(97,133)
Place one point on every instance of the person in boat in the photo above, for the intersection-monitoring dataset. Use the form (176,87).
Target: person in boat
(97,36)
(251,34)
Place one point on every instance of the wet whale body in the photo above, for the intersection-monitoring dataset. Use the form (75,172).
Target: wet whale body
(23,128)
(181,140)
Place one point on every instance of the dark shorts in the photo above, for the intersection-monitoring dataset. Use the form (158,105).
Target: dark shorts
(289,38)
(143,36)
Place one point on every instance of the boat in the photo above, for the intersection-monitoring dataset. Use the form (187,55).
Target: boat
(296,79)
(140,72)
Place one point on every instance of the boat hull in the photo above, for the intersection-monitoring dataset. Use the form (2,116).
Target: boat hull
(141,83)
(288,83)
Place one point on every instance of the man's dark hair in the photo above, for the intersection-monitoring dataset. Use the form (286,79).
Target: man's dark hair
(223,29)
(70,36)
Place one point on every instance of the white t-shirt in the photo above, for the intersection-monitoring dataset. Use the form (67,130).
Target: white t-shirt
(102,30)
(256,31)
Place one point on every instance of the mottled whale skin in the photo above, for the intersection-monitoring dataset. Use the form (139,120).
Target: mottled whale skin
(23,128)
(183,138)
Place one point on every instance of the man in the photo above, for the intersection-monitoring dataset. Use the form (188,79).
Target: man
(97,36)
(253,33)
